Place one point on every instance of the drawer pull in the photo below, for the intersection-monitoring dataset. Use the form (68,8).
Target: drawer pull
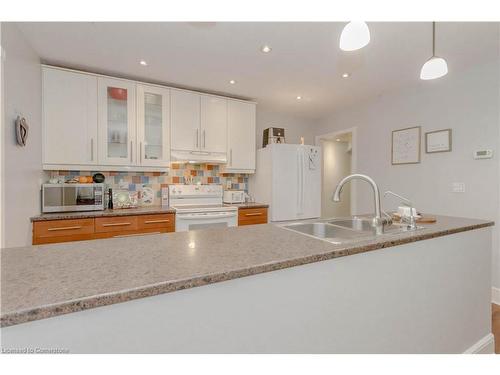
(254,214)
(65,228)
(135,234)
(157,221)
(116,224)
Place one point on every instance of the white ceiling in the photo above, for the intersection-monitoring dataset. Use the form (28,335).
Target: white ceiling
(305,58)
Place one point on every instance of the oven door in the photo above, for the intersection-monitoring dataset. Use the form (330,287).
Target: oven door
(204,220)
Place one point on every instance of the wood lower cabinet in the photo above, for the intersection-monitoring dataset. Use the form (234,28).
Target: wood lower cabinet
(250,216)
(116,224)
(54,231)
(62,231)
(126,226)
(157,222)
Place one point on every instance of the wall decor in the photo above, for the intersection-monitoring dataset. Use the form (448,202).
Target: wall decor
(406,146)
(22,129)
(438,141)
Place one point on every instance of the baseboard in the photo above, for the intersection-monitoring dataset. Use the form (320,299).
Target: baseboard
(495,296)
(484,346)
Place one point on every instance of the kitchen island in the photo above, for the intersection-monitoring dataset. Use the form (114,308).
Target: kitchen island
(401,293)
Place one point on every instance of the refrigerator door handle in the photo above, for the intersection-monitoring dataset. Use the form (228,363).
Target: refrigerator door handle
(300,174)
(303,189)
(298,182)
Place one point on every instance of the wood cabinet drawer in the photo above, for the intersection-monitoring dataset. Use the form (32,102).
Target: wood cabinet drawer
(116,224)
(131,233)
(62,230)
(250,216)
(157,221)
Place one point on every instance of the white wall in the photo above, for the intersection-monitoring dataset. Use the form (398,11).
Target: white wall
(336,165)
(465,101)
(295,127)
(2,169)
(22,165)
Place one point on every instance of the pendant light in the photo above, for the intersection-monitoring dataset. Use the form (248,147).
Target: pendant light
(355,35)
(435,67)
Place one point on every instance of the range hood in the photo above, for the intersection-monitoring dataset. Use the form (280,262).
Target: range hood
(198,157)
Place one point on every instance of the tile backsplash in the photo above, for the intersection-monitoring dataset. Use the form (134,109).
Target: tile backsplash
(178,174)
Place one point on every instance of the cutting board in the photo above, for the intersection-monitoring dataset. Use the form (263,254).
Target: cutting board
(422,220)
(426,220)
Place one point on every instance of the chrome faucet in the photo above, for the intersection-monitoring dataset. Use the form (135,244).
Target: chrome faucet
(413,222)
(377,222)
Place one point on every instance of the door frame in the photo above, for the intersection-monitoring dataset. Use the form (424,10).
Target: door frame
(354,159)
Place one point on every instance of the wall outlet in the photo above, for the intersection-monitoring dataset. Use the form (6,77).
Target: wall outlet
(458,187)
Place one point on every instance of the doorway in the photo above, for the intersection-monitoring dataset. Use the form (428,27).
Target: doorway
(337,162)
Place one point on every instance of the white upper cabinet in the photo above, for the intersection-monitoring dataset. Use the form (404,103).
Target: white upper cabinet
(94,122)
(117,122)
(153,125)
(69,118)
(199,127)
(241,137)
(213,130)
(185,120)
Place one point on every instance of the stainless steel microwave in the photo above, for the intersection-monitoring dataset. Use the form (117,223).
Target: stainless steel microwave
(72,197)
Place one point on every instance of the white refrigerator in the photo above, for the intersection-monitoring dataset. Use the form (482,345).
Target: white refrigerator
(288,178)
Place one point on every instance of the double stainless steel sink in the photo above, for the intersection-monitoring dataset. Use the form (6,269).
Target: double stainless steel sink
(340,231)
(352,229)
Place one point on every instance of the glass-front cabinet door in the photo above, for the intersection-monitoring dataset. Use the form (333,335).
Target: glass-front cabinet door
(117,120)
(153,126)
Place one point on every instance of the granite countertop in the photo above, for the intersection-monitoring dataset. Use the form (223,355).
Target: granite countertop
(146,210)
(248,205)
(43,281)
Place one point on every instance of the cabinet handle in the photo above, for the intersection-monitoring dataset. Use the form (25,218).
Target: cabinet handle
(140,151)
(254,214)
(91,149)
(156,221)
(231,157)
(65,228)
(204,143)
(115,224)
(135,234)
(131,148)
(196,138)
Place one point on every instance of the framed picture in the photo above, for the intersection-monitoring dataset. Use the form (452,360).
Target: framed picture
(438,141)
(406,146)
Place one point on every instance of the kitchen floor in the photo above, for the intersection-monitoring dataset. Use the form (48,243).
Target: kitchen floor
(496,326)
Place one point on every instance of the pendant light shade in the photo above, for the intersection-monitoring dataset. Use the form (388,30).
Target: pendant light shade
(355,35)
(435,67)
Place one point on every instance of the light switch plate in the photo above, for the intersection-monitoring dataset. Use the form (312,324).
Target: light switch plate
(458,187)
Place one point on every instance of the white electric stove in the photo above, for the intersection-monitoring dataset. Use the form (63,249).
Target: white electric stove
(200,207)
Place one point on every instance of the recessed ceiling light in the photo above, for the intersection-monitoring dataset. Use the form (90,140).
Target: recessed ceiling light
(338,139)
(345,75)
(232,82)
(266,49)
(143,63)
(299,97)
